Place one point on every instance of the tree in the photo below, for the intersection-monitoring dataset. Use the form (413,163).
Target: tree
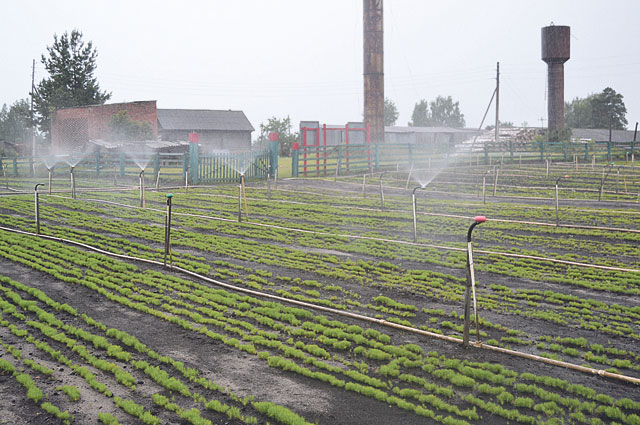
(285,136)
(71,65)
(441,112)
(121,128)
(15,122)
(390,112)
(609,110)
(420,116)
(446,112)
(598,110)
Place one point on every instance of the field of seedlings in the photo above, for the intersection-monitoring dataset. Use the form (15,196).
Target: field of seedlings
(308,301)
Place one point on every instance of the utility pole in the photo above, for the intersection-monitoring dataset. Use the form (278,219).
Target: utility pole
(33,128)
(497,137)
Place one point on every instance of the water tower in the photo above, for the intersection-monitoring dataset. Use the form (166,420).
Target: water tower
(555,52)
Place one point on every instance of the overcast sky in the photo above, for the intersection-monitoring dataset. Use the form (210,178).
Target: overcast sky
(303,58)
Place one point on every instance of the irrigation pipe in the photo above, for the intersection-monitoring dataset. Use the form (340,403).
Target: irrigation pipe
(441,247)
(533,198)
(355,316)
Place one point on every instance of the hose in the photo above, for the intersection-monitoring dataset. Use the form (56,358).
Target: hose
(355,316)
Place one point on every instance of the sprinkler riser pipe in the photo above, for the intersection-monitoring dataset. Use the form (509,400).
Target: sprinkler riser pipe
(239,204)
(73,183)
(415,220)
(268,187)
(167,234)
(557,219)
(484,190)
(142,195)
(364,180)
(381,192)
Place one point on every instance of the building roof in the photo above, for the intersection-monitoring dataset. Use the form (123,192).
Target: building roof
(203,119)
(602,134)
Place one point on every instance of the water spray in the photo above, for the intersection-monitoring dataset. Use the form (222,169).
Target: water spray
(37,207)
(557,182)
(275,180)
(381,192)
(471,284)
(167,233)
(73,183)
(415,219)
(158,180)
(409,177)
(142,199)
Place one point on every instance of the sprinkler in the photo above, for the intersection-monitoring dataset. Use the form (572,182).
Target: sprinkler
(167,233)
(73,183)
(471,283)
(557,182)
(268,186)
(415,220)
(604,177)
(244,195)
(484,187)
(142,200)
(37,206)
(381,192)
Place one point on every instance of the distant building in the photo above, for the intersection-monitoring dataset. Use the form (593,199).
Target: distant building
(222,130)
(72,128)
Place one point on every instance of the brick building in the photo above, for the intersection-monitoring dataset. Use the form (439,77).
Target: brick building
(71,128)
(230,130)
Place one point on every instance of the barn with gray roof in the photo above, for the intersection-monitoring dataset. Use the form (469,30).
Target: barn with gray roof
(217,129)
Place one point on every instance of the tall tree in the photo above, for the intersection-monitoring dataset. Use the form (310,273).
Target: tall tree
(598,110)
(71,65)
(282,126)
(441,112)
(390,112)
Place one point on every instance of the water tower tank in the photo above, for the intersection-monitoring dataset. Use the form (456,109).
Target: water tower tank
(555,52)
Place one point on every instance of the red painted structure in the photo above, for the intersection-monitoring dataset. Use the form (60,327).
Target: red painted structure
(321,149)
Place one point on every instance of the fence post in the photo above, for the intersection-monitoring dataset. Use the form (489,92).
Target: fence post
(185,167)
(273,153)
(586,152)
(193,164)
(541,150)
(295,156)
(122,164)
(15,166)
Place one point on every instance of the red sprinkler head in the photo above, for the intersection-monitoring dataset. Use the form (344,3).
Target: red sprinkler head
(479,219)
